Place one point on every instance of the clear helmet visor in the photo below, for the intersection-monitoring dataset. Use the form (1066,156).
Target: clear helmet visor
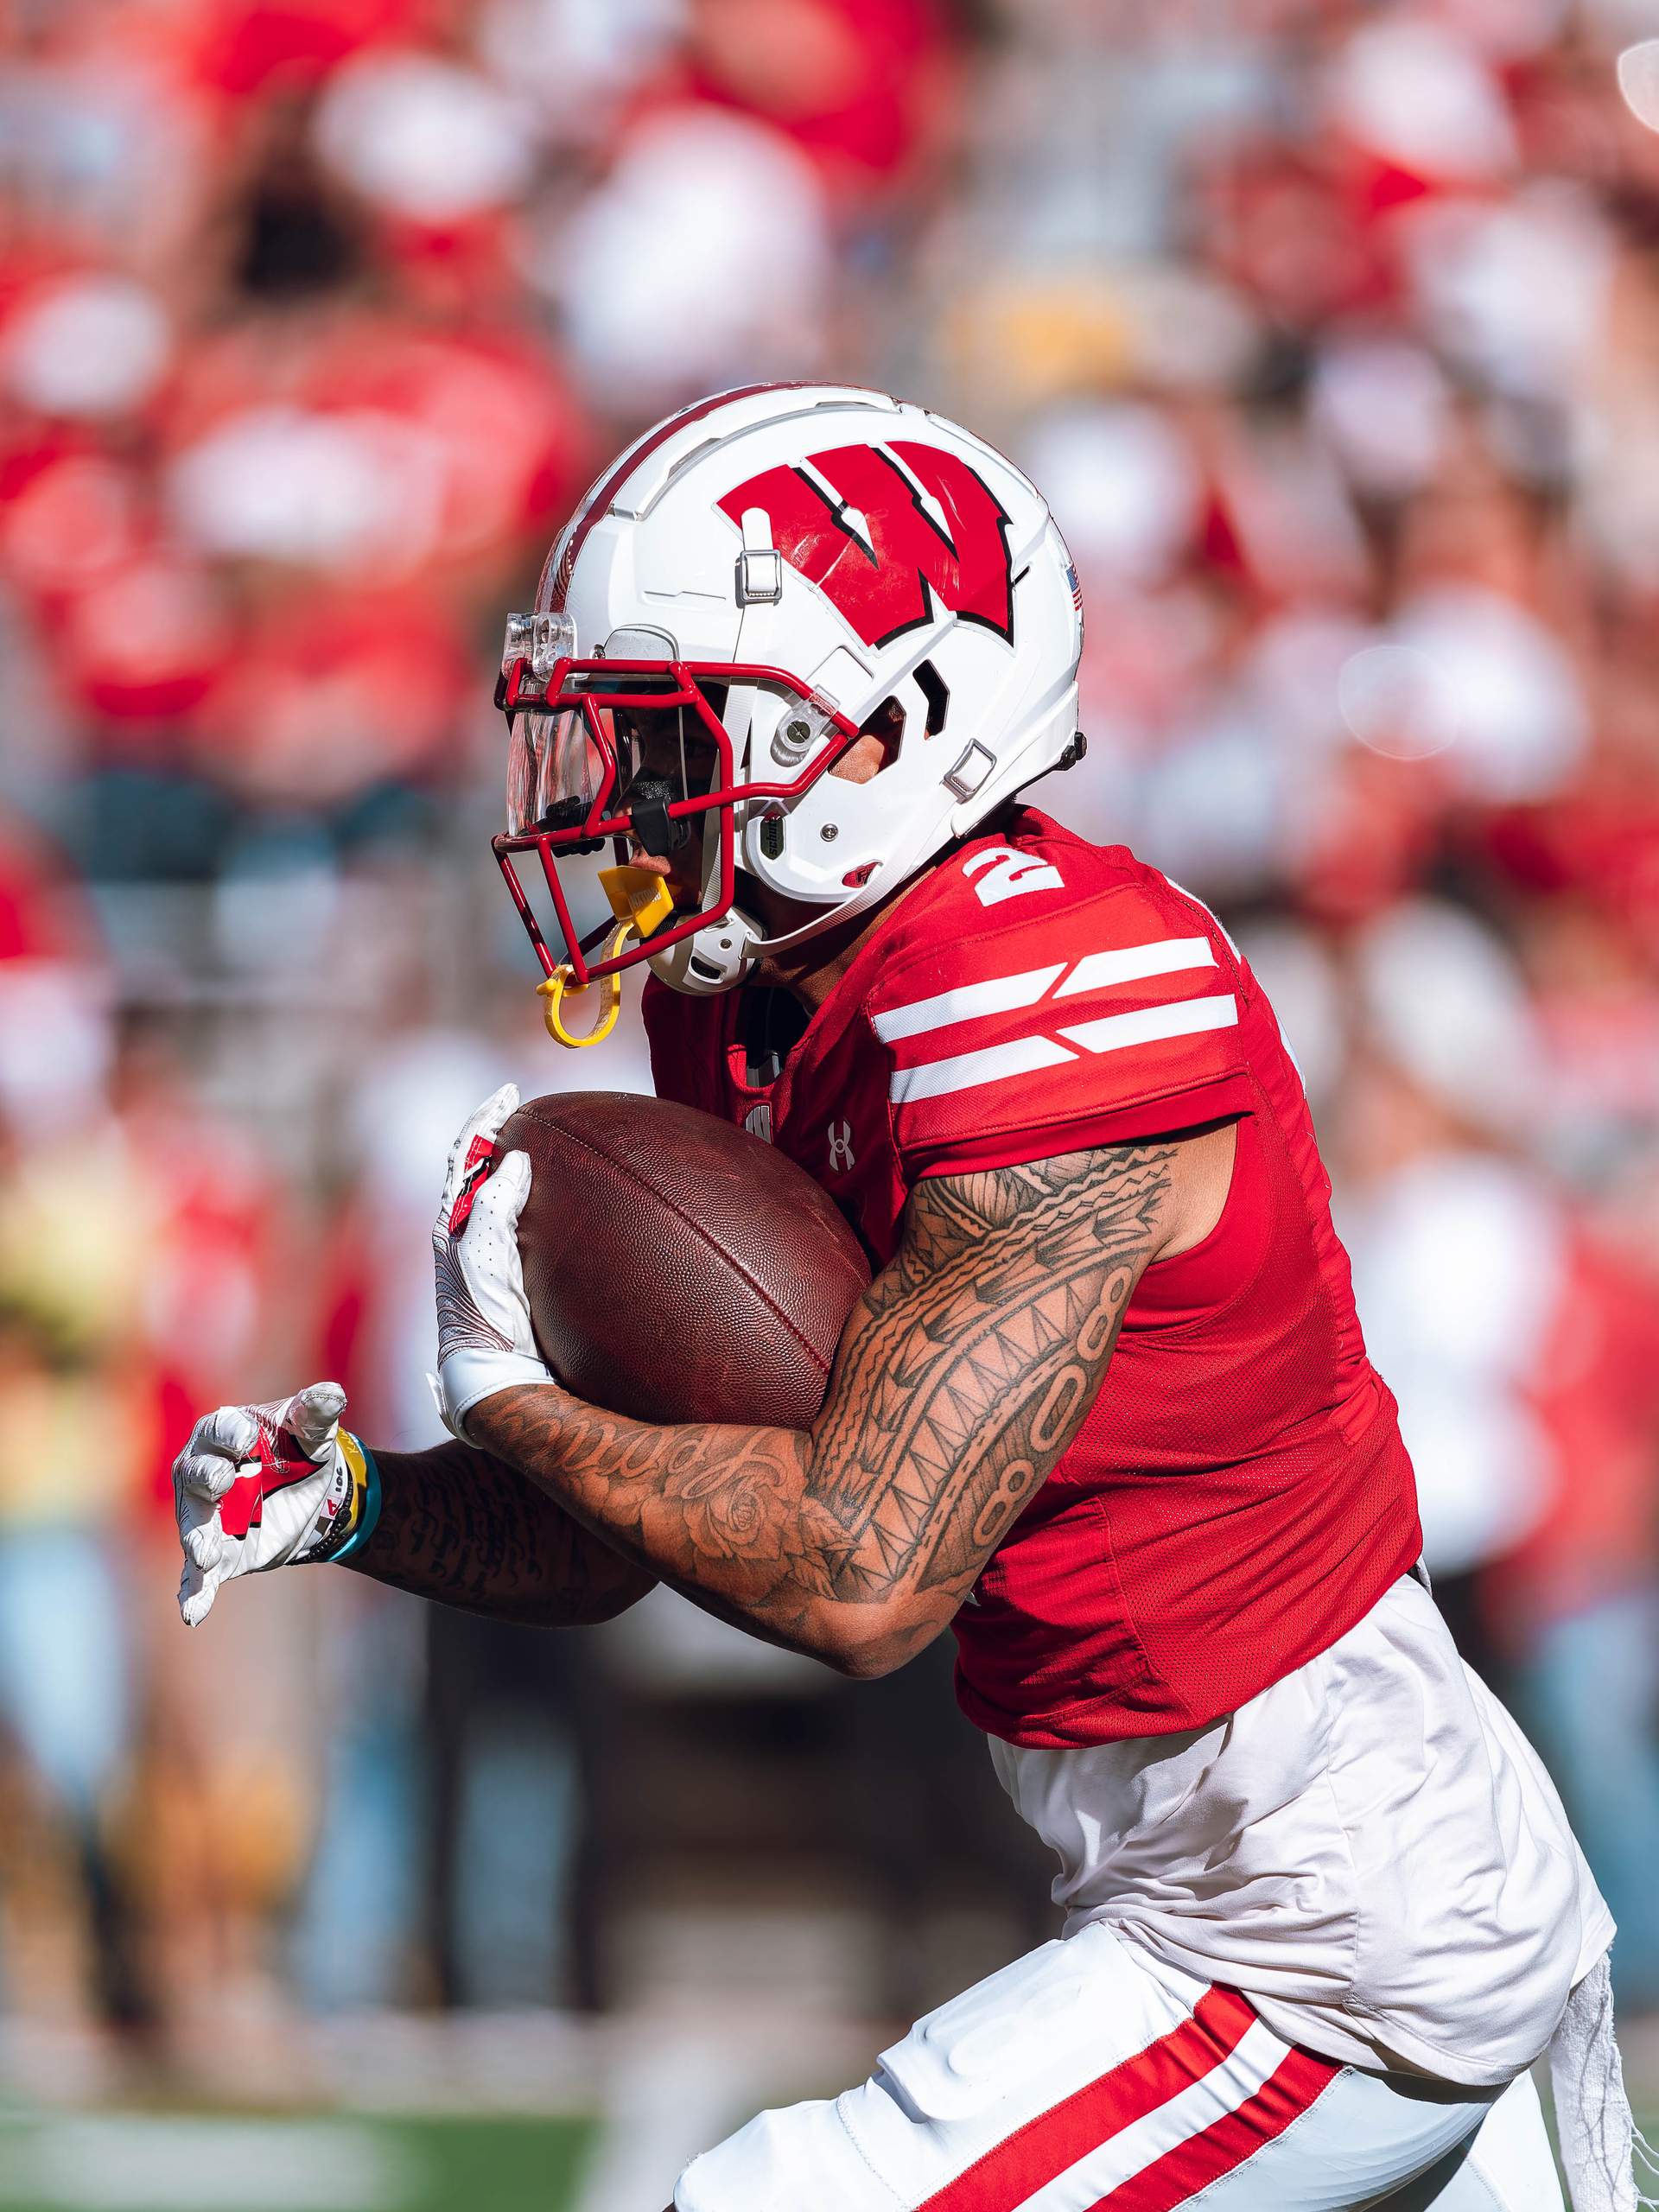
(572,767)
(554,771)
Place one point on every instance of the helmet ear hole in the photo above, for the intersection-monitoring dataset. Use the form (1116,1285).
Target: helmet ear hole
(935,693)
(877,746)
(887,723)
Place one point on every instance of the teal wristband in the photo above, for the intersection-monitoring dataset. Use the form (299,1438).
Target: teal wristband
(371,1512)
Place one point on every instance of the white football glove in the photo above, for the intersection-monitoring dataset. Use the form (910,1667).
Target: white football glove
(485,1340)
(262,1486)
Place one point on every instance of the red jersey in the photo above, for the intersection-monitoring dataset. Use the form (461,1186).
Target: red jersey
(1238,1496)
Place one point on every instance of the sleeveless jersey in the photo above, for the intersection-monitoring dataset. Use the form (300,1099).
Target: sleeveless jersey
(1238,1496)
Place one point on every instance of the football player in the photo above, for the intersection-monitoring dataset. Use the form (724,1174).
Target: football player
(1105,1411)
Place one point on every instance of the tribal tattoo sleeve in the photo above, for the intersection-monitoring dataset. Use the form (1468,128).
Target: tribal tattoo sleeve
(962,1375)
(458,1525)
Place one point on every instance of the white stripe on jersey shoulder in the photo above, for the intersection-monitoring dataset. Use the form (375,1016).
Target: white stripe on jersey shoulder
(999,995)
(1185,1017)
(994,1064)
(1166,955)
(1003,994)
(1025,1055)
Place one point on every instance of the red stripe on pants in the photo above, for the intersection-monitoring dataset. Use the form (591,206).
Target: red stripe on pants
(1057,2139)
(1203,2159)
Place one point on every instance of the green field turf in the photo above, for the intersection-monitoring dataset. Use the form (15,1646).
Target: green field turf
(220,2162)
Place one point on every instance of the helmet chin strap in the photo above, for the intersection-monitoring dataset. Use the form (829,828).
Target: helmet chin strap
(716,959)
(721,956)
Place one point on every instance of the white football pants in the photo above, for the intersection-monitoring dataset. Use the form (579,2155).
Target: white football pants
(1078,2080)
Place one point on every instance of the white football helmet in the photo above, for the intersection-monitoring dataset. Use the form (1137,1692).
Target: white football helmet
(753,583)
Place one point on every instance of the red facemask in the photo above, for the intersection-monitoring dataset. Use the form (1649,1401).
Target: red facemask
(635,754)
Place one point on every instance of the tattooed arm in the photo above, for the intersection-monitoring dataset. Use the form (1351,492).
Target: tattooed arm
(458,1525)
(963,1373)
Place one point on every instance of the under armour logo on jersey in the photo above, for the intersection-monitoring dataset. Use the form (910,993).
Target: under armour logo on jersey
(841,1148)
(881,529)
(1003,874)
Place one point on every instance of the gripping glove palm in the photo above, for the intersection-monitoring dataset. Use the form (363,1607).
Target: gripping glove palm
(484,1339)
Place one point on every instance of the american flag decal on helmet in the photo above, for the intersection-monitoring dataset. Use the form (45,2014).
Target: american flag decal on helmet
(1076,588)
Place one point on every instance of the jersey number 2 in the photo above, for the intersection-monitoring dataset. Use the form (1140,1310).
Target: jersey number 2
(1008,874)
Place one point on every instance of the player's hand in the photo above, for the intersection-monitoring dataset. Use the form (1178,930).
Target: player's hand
(485,1340)
(261,1486)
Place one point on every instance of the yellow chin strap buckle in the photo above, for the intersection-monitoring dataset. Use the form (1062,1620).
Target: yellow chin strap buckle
(638,896)
(556,986)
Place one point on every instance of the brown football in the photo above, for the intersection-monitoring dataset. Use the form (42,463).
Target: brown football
(679,1269)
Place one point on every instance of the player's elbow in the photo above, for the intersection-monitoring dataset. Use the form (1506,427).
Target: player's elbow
(866,1641)
(858,1662)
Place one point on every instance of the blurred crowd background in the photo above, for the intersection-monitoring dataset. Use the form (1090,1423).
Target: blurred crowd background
(1332,331)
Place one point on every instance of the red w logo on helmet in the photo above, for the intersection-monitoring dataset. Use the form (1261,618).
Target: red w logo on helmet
(867,532)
